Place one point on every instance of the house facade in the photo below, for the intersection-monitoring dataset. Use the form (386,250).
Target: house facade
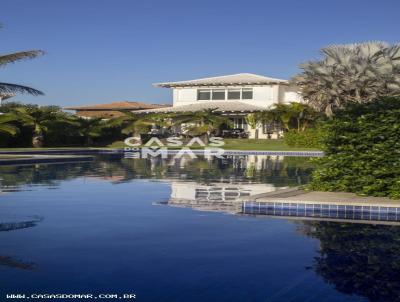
(234,95)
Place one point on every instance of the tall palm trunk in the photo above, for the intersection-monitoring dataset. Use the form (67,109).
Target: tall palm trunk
(37,140)
(89,141)
(206,138)
(298,124)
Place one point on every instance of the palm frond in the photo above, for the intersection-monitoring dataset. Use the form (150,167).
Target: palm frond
(5,126)
(8,117)
(14,88)
(9,129)
(17,56)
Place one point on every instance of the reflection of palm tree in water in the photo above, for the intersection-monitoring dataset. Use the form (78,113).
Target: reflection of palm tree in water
(11,262)
(358,259)
(12,226)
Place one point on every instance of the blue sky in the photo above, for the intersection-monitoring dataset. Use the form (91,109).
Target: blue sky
(101,51)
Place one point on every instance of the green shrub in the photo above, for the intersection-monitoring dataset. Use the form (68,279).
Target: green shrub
(59,128)
(362,148)
(309,138)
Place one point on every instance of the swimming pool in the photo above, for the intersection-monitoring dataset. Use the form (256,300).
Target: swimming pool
(167,230)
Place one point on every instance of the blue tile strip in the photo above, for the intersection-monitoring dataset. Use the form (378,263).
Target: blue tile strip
(334,211)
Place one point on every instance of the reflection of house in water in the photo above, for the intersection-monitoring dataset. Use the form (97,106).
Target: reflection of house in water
(216,191)
(215,196)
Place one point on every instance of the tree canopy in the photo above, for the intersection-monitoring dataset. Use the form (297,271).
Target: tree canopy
(351,73)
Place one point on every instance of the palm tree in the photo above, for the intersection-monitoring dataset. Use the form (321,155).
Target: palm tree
(90,128)
(355,73)
(40,118)
(291,116)
(253,120)
(8,88)
(131,123)
(282,114)
(201,123)
(301,115)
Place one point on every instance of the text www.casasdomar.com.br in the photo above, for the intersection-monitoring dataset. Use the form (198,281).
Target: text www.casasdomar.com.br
(50,297)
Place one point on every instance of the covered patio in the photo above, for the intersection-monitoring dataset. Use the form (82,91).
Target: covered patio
(235,111)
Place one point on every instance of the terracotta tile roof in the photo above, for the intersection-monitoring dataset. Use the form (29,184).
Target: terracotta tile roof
(233,79)
(126,105)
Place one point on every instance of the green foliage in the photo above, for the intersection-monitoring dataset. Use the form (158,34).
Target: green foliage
(358,259)
(362,149)
(27,125)
(135,124)
(201,122)
(294,116)
(309,138)
(252,119)
(353,73)
(6,126)
(40,119)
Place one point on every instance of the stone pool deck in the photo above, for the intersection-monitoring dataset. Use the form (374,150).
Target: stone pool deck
(297,195)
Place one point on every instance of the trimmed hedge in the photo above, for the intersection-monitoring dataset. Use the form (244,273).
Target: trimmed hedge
(310,138)
(362,148)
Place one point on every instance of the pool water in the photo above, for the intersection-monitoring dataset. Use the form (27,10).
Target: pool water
(166,230)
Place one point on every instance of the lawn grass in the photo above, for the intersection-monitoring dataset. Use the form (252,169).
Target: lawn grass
(230,144)
(243,144)
(261,145)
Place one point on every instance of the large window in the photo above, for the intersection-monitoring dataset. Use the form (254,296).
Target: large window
(218,94)
(247,93)
(225,94)
(203,94)
(233,94)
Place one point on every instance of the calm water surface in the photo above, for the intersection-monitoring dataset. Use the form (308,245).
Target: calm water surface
(164,230)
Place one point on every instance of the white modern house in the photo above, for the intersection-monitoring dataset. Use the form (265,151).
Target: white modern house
(233,95)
